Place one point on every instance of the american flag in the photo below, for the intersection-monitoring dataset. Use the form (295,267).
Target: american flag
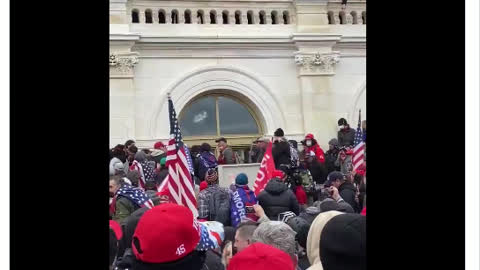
(136,195)
(136,166)
(358,145)
(178,185)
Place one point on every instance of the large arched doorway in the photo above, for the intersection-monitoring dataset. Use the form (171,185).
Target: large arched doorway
(221,114)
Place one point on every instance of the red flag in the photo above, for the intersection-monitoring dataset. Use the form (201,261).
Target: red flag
(266,170)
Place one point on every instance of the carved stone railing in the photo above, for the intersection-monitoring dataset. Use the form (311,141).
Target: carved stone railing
(353,13)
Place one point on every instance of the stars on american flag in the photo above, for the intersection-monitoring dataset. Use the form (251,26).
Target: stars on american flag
(136,195)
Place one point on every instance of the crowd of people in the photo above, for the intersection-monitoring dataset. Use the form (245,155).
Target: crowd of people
(310,215)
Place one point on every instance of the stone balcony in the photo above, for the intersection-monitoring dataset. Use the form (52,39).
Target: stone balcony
(237,13)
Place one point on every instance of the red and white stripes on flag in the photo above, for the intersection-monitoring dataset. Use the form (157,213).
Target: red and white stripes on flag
(359,145)
(178,185)
(136,166)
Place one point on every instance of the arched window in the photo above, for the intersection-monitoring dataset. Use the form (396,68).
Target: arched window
(331,17)
(135,16)
(354,17)
(148,16)
(238,17)
(343,19)
(261,15)
(213,17)
(188,16)
(274,17)
(286,17)
(174,16)
(217,115)
(250,17)
(225,16)
(364,17)
(200,17)
(161,16)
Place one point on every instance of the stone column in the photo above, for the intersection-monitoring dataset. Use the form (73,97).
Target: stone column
(122,93)
(231,17)
(244,17)
(349,18)
(141,15)
(268,16)
(256,17)
(155,16)
(316,63)
(118,12)
(219,17)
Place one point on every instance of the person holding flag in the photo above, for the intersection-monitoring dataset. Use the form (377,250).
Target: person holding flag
(178,187)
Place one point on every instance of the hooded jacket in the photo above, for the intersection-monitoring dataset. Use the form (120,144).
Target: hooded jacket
(315,148)
(281,153)
(347,191)
(313,240)
(277,198)
(346,137)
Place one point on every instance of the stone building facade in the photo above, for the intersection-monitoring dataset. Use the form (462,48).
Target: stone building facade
(239,69)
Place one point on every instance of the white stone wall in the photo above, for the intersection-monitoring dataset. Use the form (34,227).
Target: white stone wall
(255,62)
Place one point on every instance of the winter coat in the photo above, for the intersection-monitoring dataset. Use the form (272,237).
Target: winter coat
(161,175)
(313,240)
(315,148)
(347,191)
(330,158)
(281,153)
(257,155)
(310,214)
(129,225)
(123,208)
(213,261)
(277,198)
(318,171)
(226,157)
(346,137)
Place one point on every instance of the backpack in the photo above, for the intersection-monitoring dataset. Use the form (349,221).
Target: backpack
(307,181)
(219,206)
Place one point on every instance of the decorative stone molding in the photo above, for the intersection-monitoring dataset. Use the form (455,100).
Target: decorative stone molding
(317,63)
(122,64)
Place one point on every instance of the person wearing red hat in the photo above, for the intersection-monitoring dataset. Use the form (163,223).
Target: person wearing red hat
(166,237)
(311,146)
(260,256)
(203,185)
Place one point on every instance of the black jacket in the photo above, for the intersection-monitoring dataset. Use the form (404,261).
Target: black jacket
(213,261)
(347,191)
(319,172)
(346,137)
(128,228)
(281,153)
(330,158)
(277,198)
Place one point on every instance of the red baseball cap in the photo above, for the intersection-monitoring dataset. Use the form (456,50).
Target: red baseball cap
(158,145)
(165,233)
(278,174)
(261,256)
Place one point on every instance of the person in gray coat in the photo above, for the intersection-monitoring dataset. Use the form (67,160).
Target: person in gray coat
(346,135)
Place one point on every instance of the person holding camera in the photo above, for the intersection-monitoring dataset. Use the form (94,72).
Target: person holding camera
(346,190)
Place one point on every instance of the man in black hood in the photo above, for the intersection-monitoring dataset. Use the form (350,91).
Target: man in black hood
(280,150)
(346,190)
(277,198)
(345,135)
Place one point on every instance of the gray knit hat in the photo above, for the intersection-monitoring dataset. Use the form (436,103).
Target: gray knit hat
(333,142)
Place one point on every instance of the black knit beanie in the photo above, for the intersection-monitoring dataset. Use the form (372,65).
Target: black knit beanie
(343,243)
(279,133)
